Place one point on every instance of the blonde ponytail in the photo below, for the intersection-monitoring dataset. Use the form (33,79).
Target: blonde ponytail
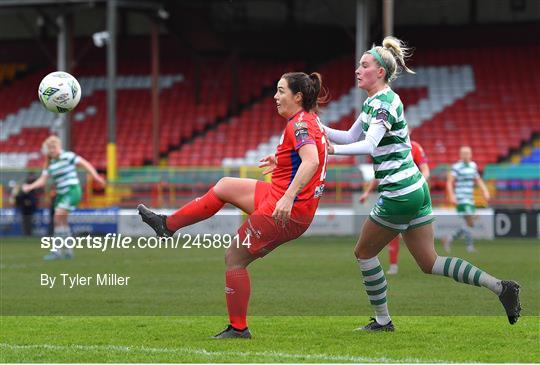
(393,54)
(400,51)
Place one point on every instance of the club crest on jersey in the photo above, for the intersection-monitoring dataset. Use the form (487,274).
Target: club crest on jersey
(380,202)
(319,190)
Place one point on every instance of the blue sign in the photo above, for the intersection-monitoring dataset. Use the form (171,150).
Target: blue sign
(82,222)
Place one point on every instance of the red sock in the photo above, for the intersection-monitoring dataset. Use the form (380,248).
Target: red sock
(237,291)
(195,211)
(393,250)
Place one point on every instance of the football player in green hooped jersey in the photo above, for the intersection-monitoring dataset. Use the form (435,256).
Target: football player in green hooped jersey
(62,167)
(404,204)
(460,189)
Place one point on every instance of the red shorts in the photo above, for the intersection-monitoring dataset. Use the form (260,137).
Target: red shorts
(264,233)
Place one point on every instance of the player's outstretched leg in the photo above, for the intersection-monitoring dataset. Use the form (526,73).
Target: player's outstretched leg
(236,191)
(420,244)
(464,272)
(156,221)
(195,211)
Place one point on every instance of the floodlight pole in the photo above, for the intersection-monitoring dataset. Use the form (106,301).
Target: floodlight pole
(63,63)
(362,36)
(388,17)
(111,91)
(155,91)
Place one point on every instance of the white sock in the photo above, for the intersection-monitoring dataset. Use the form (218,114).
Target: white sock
(376,287)
(465,272)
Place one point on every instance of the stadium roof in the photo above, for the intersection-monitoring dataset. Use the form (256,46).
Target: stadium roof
(140,4)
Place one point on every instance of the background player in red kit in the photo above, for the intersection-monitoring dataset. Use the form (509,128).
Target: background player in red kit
(279,211)
(421,160)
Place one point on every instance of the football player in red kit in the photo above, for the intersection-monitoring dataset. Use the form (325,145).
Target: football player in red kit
(279,211)
(421,160)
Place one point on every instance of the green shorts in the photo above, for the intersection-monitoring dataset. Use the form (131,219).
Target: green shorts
(70,199)
(466,209)
(404,212)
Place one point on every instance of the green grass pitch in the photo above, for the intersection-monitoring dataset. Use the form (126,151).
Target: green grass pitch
(307,297)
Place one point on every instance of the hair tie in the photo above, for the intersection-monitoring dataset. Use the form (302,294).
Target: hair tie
(378,57)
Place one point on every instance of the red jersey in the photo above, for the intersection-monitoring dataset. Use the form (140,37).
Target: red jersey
(418,154)
(302,128)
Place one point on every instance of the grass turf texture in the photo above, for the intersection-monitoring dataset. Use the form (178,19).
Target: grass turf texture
(307,298)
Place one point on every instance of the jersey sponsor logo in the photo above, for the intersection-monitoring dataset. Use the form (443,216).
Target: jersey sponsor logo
(301,135)
(229,291)
(382,114)
(300,125)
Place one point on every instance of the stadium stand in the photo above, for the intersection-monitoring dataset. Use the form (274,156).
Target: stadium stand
(455,98)
(181,116)
(495,118)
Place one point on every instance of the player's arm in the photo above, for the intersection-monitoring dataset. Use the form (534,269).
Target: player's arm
(39,183)
(483,187)
(424,169)
(309,165)
(369,187)
(374,135)
(91,170)
(450,180)
(344,137)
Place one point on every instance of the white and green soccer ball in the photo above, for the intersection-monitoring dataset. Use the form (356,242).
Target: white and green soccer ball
(59,92)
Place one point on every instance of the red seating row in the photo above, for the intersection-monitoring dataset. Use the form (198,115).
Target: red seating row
(497,117)
(180,115)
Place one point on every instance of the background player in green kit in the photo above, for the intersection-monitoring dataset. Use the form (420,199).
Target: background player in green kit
(404,204)
(460,189)
(62,167)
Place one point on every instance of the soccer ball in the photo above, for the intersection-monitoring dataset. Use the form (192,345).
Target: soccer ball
(59,92)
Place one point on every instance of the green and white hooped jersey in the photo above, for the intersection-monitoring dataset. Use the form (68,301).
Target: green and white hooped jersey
(64,171)
(465,175)
(392,158)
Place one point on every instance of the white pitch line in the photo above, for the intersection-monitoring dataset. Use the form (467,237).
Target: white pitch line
(191,351)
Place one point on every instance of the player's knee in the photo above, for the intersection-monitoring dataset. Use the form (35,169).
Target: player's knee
(427,265)
(58,219)
(360,253)
(426,268)
(221,187)
(233,260)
